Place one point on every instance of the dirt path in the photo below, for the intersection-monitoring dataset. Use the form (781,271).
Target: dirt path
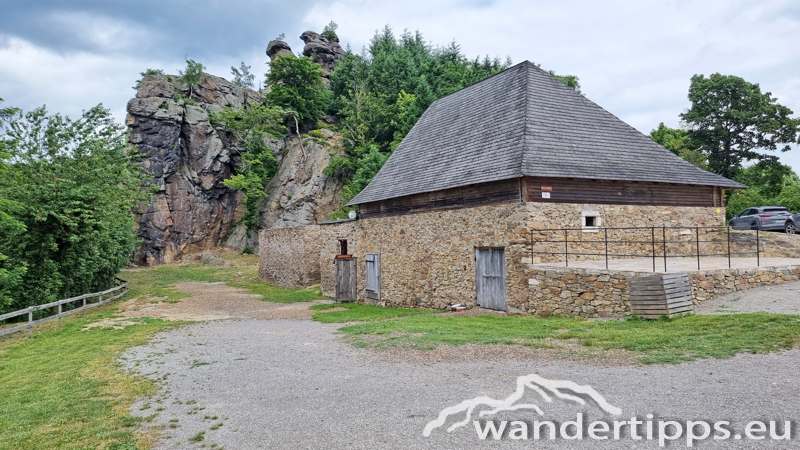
(214,301)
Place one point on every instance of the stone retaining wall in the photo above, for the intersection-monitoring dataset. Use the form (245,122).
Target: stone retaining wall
(602,293)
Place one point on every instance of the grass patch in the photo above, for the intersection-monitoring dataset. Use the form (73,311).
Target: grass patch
(63,388)
(241,273)
(657,341)
(357,312)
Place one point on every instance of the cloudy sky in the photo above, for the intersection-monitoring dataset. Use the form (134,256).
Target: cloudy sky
(634,58)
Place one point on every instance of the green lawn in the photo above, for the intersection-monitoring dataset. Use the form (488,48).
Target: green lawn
(357,312)
(656,341)
(243,273)
(62,389)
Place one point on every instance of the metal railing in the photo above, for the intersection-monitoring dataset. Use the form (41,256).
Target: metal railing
(121,285)
(658,243)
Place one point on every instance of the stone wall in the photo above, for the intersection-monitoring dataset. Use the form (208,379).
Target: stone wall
(544,216)
(428,259)
(714,283)
(602,293)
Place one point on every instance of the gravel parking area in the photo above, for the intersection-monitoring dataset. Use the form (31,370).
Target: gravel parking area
(781,299)
(252,384)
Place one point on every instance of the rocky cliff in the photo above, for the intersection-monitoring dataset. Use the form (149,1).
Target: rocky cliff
(189,159)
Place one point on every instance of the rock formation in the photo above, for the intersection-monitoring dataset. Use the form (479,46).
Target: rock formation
(276,48)
(189,158)
(322,51)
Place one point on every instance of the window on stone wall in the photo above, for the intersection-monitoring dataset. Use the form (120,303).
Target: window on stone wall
(591,221)
(343,247)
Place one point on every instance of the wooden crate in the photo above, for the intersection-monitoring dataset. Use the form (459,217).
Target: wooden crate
(660,295)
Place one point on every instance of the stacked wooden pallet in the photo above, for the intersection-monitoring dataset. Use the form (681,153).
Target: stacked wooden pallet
(660,295)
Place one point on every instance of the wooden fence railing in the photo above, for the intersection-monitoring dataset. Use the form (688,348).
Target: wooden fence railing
(110,294)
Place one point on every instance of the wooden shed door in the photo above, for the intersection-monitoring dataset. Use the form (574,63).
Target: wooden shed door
(373,275)
(345,280)
(490,278)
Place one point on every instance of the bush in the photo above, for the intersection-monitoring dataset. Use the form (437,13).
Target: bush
(73,186)
(317,134)
(247,251)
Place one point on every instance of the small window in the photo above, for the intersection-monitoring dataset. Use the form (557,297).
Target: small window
(590,221)
(343,247)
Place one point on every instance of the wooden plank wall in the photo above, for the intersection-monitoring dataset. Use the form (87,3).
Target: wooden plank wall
(564,190)
(571,190)
(505,191)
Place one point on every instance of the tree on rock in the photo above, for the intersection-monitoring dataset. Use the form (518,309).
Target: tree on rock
(192,76)
(296,85)
(730,120)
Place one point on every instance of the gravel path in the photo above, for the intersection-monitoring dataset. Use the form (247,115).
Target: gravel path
(780,299)
(295,384)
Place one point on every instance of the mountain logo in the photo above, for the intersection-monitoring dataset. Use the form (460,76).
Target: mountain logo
(547,389)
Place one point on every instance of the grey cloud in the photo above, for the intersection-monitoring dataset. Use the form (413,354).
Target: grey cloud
(153,28)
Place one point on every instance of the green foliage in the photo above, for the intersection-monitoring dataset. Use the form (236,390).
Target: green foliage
(242,76)
(769,184)
(11,270)
(330,32)
(146,73)
(317,134)
(69,188)
(247,251)
(655,341)
(192,75)
(380,94)
(678,141)
(250,126)
(296,85)
(731,120)
(570,80)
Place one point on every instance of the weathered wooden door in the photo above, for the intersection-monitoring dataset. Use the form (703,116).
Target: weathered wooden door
(373,275)
(345,280)
(490,278)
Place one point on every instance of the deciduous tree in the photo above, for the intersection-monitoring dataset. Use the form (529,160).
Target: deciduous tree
(731,121)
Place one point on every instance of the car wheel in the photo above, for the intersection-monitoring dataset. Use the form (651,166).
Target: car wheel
(790,228)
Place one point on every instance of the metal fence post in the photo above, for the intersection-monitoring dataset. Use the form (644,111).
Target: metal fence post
(729,247)
(697,240)
(101,303)
(758,249)
(84,307)
(59,316)
(566,249)
(30,323)
(653,241)
(664,240)
(605,236)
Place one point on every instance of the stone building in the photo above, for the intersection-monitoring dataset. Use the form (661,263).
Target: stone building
(449,217)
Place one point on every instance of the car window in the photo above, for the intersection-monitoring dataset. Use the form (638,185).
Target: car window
(749,212)
(744,213)
(776,210)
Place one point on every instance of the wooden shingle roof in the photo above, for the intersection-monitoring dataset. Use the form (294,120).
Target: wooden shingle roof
(524,122)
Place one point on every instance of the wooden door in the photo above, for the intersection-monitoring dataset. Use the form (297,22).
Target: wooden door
(345,280)
(490,278)
(373,262)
